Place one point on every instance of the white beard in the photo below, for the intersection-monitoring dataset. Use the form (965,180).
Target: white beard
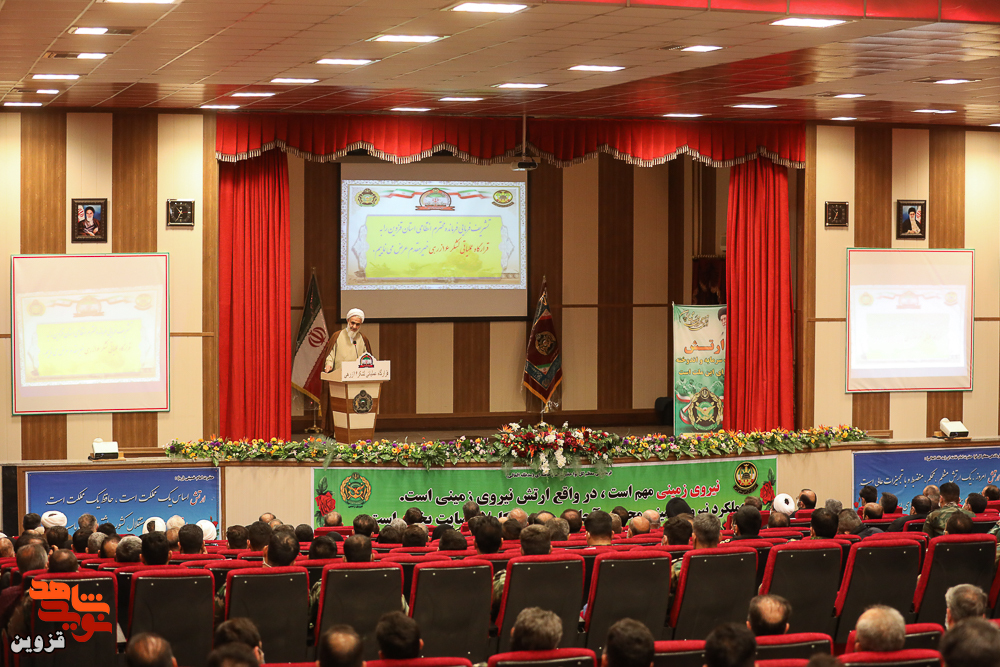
(352,334)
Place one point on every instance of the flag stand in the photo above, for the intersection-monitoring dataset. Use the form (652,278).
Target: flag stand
(314,428)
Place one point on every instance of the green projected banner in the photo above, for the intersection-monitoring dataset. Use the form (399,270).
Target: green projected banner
(699,368)
(716,486)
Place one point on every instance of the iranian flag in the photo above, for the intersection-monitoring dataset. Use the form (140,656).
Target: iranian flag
(310,342)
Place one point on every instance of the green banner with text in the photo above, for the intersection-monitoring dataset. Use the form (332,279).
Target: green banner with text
(718,486)
(699,367)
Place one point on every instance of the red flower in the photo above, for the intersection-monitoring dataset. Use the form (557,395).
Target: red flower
(767,493)
(326,503)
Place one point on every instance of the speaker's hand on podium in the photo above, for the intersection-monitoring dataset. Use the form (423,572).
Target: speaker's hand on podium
(327,367)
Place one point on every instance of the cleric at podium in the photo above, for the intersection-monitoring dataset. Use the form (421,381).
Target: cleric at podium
(348,344)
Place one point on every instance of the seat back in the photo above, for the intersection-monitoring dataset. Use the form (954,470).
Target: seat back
(178,605)
(408,562)
(277,600)
(560,657)
(553,582)
(177,559)
(421,662)
(807,574)
(679,653)
(451,603)
(715,587)
(918,635)
(905,658)
(97,650)
(358,594)
(220,569)
(952,560)
(315,567)
(647,578)
(794,645)
(878,572)
(763,548)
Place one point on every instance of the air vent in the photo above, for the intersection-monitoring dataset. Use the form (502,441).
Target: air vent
(672,47)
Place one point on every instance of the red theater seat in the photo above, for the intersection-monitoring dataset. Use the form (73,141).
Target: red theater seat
(918,635)
(715,586)
(451,602)
(358,594)
(679,653)
(904,658)
(553,582)
(276,599)
(645,574)
(801,645)
(178,605)
(421,662)
(807,574)
(560,657)
(952,560)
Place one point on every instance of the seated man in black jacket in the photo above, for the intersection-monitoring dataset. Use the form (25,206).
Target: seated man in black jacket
(920,507)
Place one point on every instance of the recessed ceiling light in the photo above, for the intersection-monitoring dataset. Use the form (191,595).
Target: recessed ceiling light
(219,106)
(410,109)
(844,118)
(143,2)
(596,68)
(755,106)
(850,96)
(47,91)
(701,48)
(795,22)
(420,39)
(91,56)
(461,99)
(933,111)
(488,7)
(345,61)
(995,125)
(521,85)
(253,95)
(56,77)
(951,82)
(22,104)
(288,80)
(89,31)
(683,115)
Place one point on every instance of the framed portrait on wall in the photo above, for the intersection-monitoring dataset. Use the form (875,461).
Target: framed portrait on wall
(836,214)
(89,220)
(911,219)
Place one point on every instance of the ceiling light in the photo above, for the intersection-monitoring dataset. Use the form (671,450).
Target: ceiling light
(933,111)
(954,81)
(794,22)
(701,48)
(755,106)
(143,2)
(850,96)
(288,80)
(56,77)
(345,61)
(488,7)
(844,118)
(220,106)
(461,99)
(521,85)
(995,125)
(595,68)
(47,91)
(683,115)
(410,109)
(421,39)
(22,104)
(91,56)
(253,94)
(89,31)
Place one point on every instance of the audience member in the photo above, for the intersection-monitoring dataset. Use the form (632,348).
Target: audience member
(536,629)
(638,525)
(880,629)
(173,538)
(872,511)
(707,531)
(469,510)
(575,521)
(558,529)
(333,519)
(823,524)
(778,520)
(53,518)
(868,494)
(267,517)
(489,537)
(155,549)
(511,529)
(242,631)
(934,495)
(398,637)
(109,547)
(534,542)
(322,548)
(304,532)
(191,539)
(148,650)
(258,535)
(475,522)
(677,531)
(176,521)
(154,523)
(236,537)
(94,543)
(413,515)
(453,541)
(31,521)
(365,525)
(440,530)
(598,529)
(108,529)
(972,643)
(358,549)
(62,561)
(965,601)
(769,615)
(920,507)
(390,535)
(87,522)
(209,531)
(414,536)
(6,548)
(623,514)
(889,503)
(755,501)
(80,539)
(991,492)
(849,523)
(834,505)
(653,517)
(824,659)
(232,655)
(730,645)
(29,557)
(675,507)
(747,523)
(616,524)
(784,504)
(281,551)
(807,499)
(975,503)
(937,521)
(629,644)
(958,524)
(58,537)
(340,646)
(129,550)
(519,515)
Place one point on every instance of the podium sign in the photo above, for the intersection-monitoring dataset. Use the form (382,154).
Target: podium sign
(354,389)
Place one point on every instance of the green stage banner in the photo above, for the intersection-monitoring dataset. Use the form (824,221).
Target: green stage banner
(718,486)
(699,367)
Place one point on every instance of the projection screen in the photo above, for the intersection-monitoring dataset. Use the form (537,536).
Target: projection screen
(90,333)
(909,320)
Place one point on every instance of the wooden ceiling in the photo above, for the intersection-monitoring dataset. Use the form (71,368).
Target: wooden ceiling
(195,52)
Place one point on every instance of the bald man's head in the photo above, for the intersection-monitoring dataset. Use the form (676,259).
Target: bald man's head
(769,615)
(149,650)
(340,646)
(653,517)
(807,499)
(638,525)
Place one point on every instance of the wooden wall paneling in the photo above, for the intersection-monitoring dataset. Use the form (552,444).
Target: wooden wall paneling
(946,229)
(398,344)
(545,251)
(615,215)
(471,367)
(676,196)
(134,138)
(805,292)
(708,208)
(322,236)
(209,221)
(871,411)
(44,216)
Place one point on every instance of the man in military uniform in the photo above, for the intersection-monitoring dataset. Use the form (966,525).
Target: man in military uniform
(936,521)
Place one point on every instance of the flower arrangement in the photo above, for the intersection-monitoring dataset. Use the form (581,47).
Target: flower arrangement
(550,450)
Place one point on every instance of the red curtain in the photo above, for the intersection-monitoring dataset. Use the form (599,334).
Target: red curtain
(759,364)
(255,363)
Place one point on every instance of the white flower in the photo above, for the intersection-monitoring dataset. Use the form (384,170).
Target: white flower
(577,434)
(550,438)
(565,425)
(514,426)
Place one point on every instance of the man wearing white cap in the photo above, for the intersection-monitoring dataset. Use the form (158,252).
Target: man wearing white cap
(348,344)
(53,518)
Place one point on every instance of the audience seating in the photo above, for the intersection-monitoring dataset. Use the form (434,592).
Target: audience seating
(421,662)
(877,572)
(177,559)
(714,587)
(178,605)
(952,560)
(96,563)
(233,553)
(101,648)
(646,577)
(408,562)
(277,600)
(451,602)
(346,531)
(797,645)
(316,566)
(358,594)
(785,662)
(905,658)
(219,569)
(560,657)
(807,574)
(123,576)
(918,635)
(553,582)
(679,653)
(763,548)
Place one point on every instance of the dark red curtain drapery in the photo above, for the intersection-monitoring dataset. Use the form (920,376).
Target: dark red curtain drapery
(759,382)
(255,364)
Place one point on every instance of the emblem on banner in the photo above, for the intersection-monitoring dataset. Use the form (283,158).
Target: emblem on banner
(367,197)
(706,410)
(435,199)
(692,321)
(363,403)
(366,360)
(355,490)
(545,342)
(503,198)
(746,478)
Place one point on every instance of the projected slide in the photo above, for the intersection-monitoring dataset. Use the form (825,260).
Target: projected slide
(910,320)
(402,241)
(90,333)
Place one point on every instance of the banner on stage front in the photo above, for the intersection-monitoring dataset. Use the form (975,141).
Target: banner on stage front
(718,486)
(699,367)
(905,472)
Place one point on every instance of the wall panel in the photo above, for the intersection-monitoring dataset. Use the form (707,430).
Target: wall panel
(435,356)
(979,407)
(805,290)
(398,344)
(649,242)
(471,365)
(545,262)
(580,235)
(579,358)
(835,181)
(210,279)
(982,212)
(910,174)
(650,356)
(88,170)
(834,405)
(10,244)
(507,357)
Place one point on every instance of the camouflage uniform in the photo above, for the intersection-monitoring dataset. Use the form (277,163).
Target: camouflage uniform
(936,521)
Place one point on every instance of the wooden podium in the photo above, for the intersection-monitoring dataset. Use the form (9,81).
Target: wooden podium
(354,397)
